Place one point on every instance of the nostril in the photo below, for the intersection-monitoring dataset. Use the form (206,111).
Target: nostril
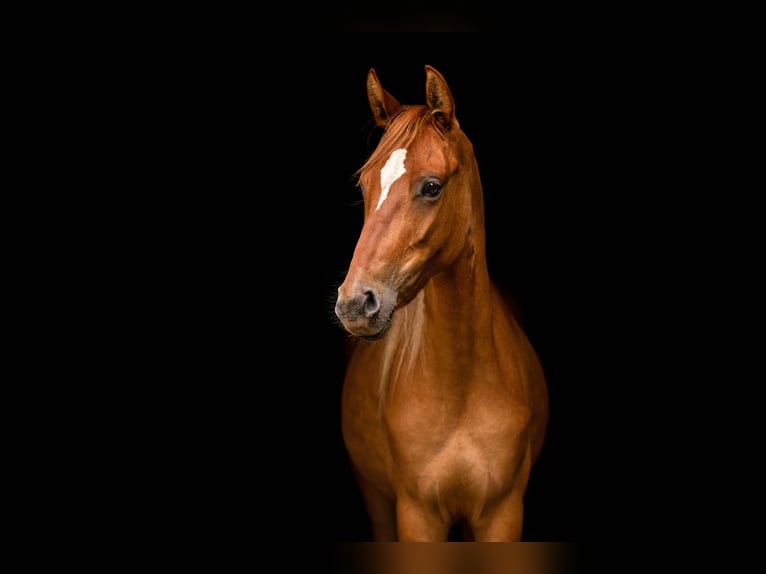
(371,303)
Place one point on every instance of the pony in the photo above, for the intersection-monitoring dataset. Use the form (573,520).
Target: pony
(444,402)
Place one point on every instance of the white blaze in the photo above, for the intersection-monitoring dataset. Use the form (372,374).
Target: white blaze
(393,170)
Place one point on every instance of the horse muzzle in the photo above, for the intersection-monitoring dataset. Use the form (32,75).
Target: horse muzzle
(365,311)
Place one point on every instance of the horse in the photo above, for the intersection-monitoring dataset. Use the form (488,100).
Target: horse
(444,401)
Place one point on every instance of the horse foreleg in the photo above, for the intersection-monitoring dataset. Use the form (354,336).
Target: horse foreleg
(416,524)
(380,510)
(503,522)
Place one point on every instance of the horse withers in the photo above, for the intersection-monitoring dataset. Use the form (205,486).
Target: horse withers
(444,400)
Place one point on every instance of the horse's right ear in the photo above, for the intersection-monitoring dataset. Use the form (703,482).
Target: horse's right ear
(384,106)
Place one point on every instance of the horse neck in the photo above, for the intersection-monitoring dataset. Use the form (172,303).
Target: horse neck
(458,301)
(449,325)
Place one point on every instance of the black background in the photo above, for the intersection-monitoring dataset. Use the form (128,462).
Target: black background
(249,216)
(221,147)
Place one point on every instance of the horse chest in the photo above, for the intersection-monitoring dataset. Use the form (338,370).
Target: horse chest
(429,443)
(468,458)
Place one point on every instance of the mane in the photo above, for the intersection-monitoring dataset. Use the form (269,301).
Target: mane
(400,132)
(409,327)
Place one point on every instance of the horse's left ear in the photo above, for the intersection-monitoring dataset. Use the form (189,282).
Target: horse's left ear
(439,99)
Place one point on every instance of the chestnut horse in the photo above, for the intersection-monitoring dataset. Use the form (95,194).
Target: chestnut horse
(444,400)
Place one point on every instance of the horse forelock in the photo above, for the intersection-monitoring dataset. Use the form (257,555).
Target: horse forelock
(400,132)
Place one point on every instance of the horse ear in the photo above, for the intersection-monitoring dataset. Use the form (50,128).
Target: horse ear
(384,106)
(439,98)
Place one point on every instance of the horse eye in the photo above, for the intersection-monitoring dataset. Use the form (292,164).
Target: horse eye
(432,189)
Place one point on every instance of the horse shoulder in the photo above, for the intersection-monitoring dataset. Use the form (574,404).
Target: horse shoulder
(527,369)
